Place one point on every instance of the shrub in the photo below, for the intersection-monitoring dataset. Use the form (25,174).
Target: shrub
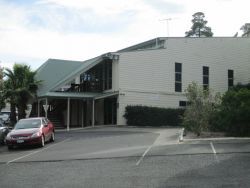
(234,114)
(153,116)
(202,107)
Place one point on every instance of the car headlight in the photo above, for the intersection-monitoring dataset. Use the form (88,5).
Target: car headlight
(37,134)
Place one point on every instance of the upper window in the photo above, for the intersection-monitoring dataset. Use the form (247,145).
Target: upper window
(230,78)
(178,77)
(205,77)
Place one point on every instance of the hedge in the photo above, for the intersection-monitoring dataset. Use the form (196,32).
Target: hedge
(153,116)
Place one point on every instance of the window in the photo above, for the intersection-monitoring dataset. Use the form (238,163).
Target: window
(205,77)
(178,77)
(182,103)
(230,78)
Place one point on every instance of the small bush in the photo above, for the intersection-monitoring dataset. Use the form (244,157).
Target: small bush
(202,107)
(153,116)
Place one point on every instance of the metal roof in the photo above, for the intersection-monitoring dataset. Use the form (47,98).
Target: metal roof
(75,95)
(79,95)
(72,74)
(53,71)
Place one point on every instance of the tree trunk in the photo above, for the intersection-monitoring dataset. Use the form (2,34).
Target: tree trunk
(12,114)
(21,111)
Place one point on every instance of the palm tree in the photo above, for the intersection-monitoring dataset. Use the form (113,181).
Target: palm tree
(21,87)
(2,100)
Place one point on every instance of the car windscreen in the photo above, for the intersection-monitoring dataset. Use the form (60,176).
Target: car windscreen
(28,124)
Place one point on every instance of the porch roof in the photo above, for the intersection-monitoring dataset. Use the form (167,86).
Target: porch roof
(78,95)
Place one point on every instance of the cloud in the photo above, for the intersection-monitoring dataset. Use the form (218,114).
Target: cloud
(55,16)
(165,7)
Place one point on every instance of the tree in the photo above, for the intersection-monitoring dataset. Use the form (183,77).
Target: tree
(199,28)
(21,87)
(2,99)
(202,105)
(233,116)
(246,30)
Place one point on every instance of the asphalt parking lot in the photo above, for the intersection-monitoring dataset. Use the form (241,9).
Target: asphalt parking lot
(127,157)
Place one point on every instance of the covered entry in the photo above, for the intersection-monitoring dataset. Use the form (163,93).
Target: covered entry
(71,110)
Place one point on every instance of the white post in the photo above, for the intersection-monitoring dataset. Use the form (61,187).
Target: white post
(68,114)
(93,112)
(46,107)
(38,107)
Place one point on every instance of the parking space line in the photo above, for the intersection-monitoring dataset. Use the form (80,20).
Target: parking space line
(212,146)
(143,155)
(36,152)
(214,151)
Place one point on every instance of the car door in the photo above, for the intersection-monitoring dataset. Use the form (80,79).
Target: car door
(50,125)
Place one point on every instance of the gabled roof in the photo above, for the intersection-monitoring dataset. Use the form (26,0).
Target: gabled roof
(72,74)
(53,71)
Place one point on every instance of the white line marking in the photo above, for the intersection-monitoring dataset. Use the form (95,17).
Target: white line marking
(36,152)
(143,155)
(214,151)
(212,146)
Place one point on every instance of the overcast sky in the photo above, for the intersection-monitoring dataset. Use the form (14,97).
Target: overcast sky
(32,31)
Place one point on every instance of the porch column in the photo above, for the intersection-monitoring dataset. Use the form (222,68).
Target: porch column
(82,114)
(46,107)
(38,108)
(93,112)
(68,114)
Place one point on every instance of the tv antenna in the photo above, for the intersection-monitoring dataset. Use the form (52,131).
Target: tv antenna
(167,22)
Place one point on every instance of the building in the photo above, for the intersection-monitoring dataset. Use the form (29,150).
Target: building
(153,73)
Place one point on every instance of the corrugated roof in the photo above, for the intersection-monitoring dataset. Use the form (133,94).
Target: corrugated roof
(80,95)
(84,66)
(75,95)
(53,71)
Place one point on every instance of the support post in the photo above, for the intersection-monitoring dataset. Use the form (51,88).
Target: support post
(93,112)
(68,113)
(82,113)
(38,108)
(46,107)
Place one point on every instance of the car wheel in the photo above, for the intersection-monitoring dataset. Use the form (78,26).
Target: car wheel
(42,142)
(52,138)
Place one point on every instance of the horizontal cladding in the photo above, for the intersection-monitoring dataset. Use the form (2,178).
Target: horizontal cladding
(154,69)
(146,99)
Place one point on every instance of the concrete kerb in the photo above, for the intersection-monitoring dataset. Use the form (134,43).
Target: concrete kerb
(217,139)
(182,134)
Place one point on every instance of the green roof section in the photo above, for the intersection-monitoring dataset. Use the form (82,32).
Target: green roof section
(53,71)
(72,95)
(73,73)
(79,95)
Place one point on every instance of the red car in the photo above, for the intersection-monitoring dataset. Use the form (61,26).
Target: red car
(31,131)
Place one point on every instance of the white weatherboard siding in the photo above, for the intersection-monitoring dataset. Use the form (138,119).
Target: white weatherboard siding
(148,77)
(147,99)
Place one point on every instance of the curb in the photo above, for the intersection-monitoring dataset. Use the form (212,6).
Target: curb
(217,139)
